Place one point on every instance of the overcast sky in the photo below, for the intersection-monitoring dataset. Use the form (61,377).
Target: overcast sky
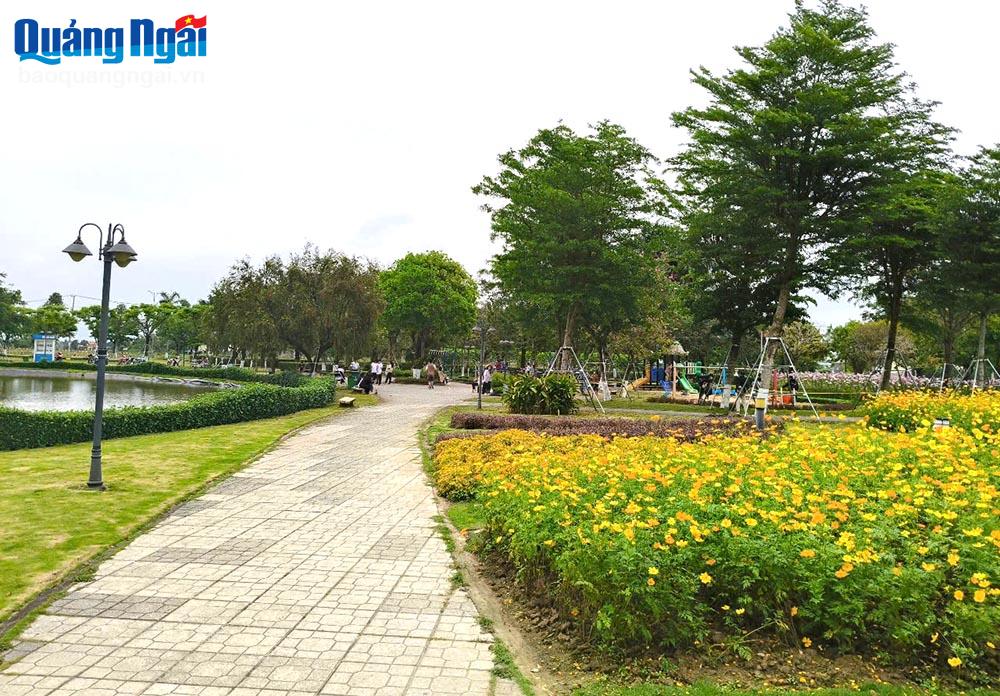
(362,126)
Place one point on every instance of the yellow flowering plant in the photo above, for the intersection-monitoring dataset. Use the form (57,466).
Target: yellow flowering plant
(876,540)
(975,412)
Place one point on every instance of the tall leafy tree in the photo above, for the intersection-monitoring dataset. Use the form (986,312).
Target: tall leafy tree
(183,329)
(14,321)
(888,262)
(972,242)
(54,320)
(577,216)
(239,319)
(148,318)
(429,297)
(798,137)
(122,325)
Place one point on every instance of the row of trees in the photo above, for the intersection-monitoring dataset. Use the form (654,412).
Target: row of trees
(320,305)
(812,167)
(175,322)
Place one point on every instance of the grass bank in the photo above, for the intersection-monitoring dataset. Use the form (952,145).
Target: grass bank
(50,523)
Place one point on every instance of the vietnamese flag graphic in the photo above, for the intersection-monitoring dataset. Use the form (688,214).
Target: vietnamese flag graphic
(190,21)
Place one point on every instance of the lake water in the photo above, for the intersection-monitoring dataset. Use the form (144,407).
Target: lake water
(61,393)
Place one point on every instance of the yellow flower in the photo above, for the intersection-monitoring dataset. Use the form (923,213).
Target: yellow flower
(705,578)
(959,595)
(806,641)
(955,661)
(929,567)
(650,582)
(807,553)
(654,571)
(741,611)
(952,559)
(795,611)
(979,596)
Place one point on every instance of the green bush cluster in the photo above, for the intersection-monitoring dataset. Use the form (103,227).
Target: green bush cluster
(552,395)
(24,429)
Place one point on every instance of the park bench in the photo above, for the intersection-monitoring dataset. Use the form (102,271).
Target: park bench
(346,401)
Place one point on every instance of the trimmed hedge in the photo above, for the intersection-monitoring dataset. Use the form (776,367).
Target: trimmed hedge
(24,429)
(235,374)
(684,429)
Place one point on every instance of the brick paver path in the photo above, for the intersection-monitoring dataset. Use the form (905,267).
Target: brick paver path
(315,571)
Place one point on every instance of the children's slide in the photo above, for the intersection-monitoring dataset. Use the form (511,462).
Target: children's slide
(686,386)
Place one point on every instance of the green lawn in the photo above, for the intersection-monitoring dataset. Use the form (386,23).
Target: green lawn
(50,522)
(640,403)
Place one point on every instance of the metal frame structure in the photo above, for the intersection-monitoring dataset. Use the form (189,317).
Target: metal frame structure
(761,393)
(580,374)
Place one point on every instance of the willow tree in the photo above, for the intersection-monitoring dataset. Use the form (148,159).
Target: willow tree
(798,137)
(577,216)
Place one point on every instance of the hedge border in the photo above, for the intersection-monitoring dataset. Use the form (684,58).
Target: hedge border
(30,429)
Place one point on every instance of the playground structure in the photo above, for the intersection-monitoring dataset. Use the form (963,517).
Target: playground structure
(577,372)
(983,367)
(763,396)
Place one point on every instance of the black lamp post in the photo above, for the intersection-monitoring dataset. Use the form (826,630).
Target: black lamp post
(483,332)
(122,254)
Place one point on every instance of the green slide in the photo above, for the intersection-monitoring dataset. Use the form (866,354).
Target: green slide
(686,386)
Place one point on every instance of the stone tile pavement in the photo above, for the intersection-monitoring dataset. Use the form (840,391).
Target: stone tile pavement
(315,571)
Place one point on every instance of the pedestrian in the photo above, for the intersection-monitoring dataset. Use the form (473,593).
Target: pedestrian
(432,373)
(389,369)
(379,367)
(365,384)
(487,380)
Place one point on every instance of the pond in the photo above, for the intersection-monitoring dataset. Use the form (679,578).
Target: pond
(70,393)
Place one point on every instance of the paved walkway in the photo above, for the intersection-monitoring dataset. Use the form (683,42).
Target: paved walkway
(315,571)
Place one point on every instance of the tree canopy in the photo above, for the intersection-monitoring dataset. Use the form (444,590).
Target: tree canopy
(430,298)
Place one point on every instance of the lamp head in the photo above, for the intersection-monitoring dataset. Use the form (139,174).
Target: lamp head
(122,253)
(77,251)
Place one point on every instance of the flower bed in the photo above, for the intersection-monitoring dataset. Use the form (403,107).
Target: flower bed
(681,428)
(847,538)
(909,411)
(23,429)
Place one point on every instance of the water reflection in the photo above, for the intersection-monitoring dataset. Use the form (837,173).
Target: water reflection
(56,393)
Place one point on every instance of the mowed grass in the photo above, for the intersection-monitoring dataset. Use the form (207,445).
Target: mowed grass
(50,522)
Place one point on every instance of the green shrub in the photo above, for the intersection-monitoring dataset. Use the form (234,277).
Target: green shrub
(500,382)
(552,395)
(24,429)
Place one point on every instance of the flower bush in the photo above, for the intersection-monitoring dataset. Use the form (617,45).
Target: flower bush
(973,412)
(847,537)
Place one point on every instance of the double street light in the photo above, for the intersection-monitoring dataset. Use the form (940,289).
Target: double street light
(121,253)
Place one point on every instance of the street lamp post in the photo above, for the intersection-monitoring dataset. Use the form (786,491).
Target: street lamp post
(482,331)
(122,254)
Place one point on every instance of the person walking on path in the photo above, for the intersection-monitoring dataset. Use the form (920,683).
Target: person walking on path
(487,380)
(432,372)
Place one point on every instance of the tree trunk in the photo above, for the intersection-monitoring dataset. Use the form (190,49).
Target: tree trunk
(895,305)
(567,341)
(980,375)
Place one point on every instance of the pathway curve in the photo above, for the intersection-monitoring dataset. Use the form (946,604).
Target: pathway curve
(317,570)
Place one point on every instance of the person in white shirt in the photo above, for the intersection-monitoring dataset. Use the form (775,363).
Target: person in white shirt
(377,371)
(487,381)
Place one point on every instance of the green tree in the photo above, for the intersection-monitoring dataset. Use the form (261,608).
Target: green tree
(122,325)
(238,318)
(798,139)
(805,344)
(55,300)
(860,346)
(54,320)
(971,242)
(148,318)
(14,322)
(429,297)
(183,328)
(577,217)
